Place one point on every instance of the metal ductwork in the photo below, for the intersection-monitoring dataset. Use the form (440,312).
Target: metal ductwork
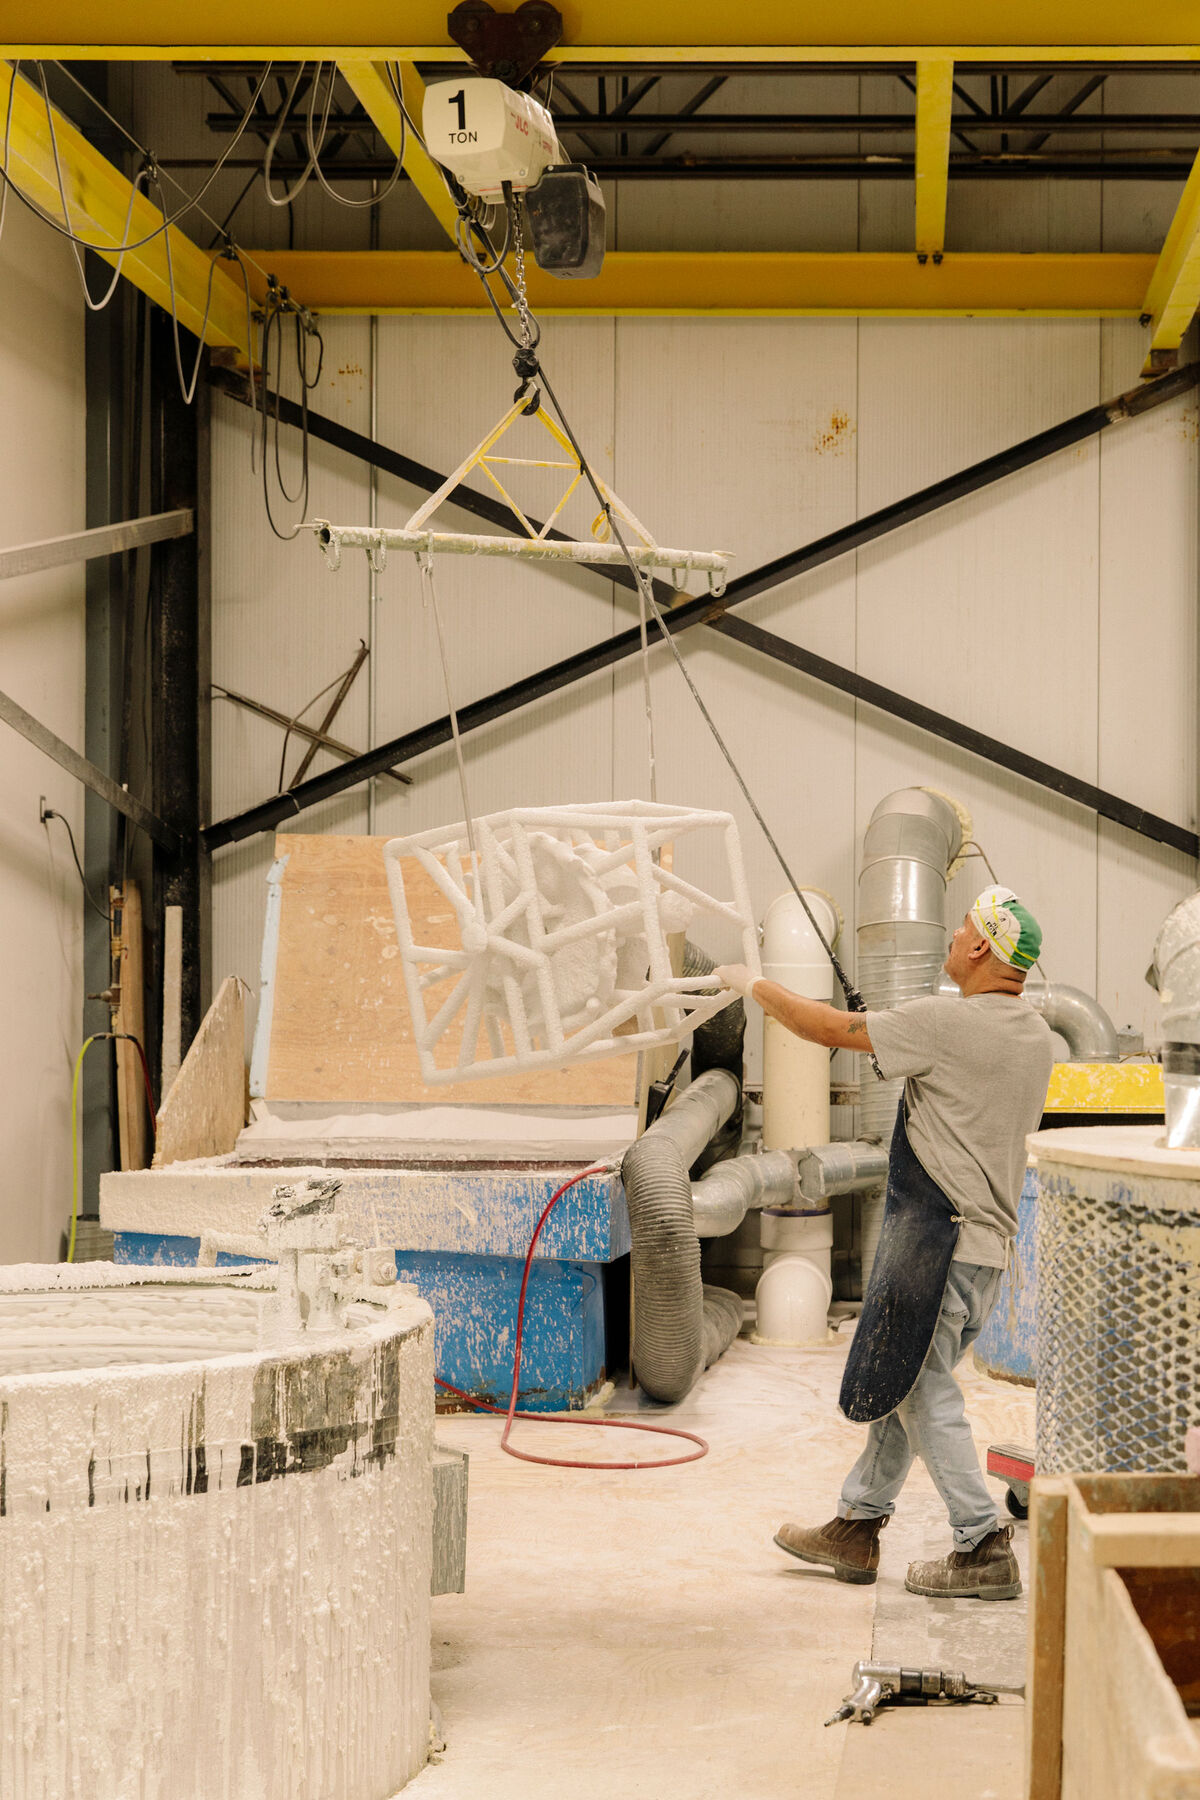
(679,1325)
(845,1168)
(911,841)
(722,1198)
(1089,1033)
(1175,972)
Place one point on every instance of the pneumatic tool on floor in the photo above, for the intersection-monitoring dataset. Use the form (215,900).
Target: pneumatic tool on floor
(887,1684)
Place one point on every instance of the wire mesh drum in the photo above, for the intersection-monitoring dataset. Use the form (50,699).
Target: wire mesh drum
(1118,1316)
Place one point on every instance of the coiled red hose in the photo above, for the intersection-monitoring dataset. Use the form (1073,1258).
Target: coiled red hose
(568,1462)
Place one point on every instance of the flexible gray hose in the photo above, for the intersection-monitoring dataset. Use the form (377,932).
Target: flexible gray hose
(679,1325)
(718,1044)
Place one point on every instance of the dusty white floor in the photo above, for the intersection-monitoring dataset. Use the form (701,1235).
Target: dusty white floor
(638,1635)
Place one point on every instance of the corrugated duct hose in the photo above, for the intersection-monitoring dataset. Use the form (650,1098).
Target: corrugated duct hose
(680,1326)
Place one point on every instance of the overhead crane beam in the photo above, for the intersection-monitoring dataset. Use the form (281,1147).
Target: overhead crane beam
(656,31)
(373,90)
(98,196)
(1174,291)
(676,283)
(935,96)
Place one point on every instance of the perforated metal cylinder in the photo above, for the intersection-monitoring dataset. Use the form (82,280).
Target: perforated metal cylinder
(1118,1309)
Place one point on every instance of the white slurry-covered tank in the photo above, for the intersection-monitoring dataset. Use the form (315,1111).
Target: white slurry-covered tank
(215,1533)
(1118,1314)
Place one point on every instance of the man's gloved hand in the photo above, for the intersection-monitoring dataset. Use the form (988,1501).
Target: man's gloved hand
(738,977)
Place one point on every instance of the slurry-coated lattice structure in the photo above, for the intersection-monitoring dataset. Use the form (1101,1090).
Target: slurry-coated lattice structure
(563,915)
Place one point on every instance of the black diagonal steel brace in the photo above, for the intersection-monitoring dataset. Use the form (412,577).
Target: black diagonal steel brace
(710,610)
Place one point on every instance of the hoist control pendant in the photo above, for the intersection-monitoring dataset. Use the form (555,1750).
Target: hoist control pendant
(555,933)
(486,135)
(566,216)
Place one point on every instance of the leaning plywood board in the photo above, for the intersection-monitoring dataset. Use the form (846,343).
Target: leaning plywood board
(1047,1610)
(206,1106)
(129,1022)
(339,1027)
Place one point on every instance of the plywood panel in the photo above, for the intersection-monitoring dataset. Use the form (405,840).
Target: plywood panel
(206,1106)
(341,1029)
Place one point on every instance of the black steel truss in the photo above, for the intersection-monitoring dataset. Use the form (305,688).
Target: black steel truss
(619,136)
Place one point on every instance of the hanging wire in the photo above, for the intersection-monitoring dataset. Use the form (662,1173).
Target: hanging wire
(425,564)
(219,226)
(315,143)
(65,228)
(280,305)
(8,113)
(152,176)
(48,814)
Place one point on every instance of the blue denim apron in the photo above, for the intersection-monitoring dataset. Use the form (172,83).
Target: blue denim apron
(904,1295)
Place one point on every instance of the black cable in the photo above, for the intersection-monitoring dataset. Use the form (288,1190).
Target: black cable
(64,229)
(279,303)
(49,813)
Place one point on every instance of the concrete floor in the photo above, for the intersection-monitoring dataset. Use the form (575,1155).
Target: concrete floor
(635,1635)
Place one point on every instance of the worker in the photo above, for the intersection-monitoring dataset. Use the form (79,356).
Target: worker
(976,1071)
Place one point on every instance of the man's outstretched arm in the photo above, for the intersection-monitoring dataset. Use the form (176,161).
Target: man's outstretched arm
(814,1020)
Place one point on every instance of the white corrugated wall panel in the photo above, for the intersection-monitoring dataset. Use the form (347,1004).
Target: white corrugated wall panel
(1035,611)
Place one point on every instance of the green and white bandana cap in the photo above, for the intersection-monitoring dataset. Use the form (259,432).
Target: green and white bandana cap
(1010,928)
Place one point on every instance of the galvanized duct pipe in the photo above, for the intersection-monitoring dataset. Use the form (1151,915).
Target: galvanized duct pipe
(679,1325)
(722,1198)
(1090,1034)
(912,839)
(830,1169)
(1175,972)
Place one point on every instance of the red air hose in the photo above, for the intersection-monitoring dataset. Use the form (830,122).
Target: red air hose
(567,1462)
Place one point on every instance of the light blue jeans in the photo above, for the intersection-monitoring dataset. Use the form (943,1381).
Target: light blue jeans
(931,1423)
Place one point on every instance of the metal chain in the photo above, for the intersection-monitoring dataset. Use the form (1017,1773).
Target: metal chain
(518,242)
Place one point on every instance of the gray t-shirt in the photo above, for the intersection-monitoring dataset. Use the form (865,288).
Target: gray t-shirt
(978,1069)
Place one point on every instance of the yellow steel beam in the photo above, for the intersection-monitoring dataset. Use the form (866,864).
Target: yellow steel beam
(98,199)
(1174,291)
(736,283)
(655,30)
(935,92)
(370,84)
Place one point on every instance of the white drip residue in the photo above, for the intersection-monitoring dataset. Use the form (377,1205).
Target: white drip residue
(216,1572)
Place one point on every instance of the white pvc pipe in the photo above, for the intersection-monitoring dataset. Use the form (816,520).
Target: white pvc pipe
(796,1073)
(793,1300)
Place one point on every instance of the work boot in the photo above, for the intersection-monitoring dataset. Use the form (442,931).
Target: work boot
(850,1547)
(988,1572)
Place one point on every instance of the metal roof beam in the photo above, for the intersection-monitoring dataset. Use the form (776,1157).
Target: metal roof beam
(643,30)
(1174,291)
(935,98)
(737,283)
(372,89)
(99,198)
